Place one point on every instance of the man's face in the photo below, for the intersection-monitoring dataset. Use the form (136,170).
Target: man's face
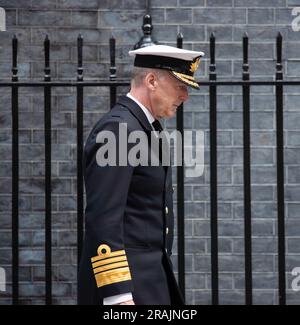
(169,94)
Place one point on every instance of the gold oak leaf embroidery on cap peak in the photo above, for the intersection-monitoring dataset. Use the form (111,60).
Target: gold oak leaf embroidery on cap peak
(194,65)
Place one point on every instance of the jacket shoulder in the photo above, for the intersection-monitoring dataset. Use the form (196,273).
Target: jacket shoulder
(118,114)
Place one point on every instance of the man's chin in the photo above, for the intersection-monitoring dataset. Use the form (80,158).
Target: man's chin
(172,113)
(169,114)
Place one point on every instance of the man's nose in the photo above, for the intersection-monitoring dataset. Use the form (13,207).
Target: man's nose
(184,95)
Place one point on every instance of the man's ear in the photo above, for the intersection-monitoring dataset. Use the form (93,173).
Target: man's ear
(150,80)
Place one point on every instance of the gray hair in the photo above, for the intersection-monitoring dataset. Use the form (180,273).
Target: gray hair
(138,75)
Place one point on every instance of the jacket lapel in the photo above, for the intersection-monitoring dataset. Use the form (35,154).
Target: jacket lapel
(134,108)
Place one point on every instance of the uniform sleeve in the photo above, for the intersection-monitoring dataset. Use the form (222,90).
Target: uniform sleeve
(106,196)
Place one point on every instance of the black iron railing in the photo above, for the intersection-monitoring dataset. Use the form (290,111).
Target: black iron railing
(113,83)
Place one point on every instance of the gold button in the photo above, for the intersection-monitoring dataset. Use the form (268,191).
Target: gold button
(166,210)
(167,230)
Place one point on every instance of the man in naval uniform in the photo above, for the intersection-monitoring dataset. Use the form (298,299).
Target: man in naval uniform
(129,208)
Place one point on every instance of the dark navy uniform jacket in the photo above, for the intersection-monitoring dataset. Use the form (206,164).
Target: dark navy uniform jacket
(128,222)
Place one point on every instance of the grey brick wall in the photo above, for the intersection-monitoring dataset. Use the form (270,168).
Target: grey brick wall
(96,20)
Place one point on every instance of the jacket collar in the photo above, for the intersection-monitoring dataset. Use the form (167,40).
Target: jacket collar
(136,111)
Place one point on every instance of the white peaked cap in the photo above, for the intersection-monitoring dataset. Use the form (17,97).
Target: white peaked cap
(168,51)
(180,62)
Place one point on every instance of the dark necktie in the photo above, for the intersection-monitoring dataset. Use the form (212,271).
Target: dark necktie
(157,126)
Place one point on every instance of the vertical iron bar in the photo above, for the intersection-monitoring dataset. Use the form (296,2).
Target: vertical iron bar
(112,70)
(79,150)
(47,126)
(280,175)
(148,6)
(180,195)
(213,175)
(15,175)
(247,175)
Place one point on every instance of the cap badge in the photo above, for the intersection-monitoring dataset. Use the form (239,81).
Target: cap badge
(194,65)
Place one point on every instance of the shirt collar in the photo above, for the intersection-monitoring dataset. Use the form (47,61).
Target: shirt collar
(149,116)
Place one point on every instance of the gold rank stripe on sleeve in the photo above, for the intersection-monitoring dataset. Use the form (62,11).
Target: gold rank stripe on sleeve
(112,276)
(110,267)
(110,260)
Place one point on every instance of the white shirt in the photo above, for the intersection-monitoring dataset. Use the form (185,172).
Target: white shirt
(113,300)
